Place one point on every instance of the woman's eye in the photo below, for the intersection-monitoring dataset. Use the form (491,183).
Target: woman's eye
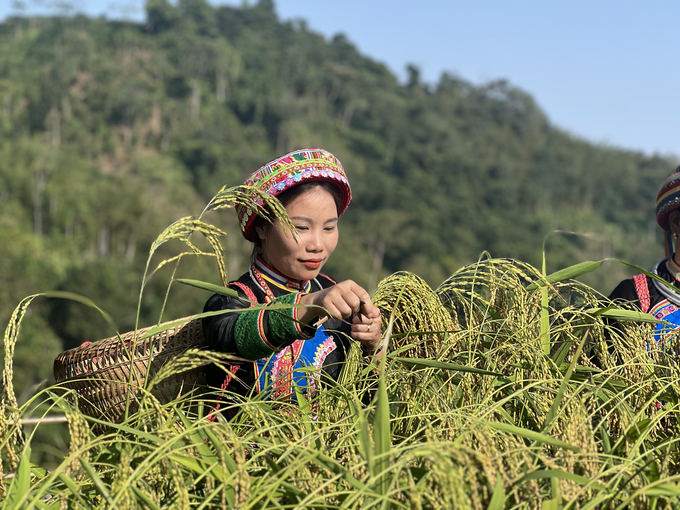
(329,229)
(300,227)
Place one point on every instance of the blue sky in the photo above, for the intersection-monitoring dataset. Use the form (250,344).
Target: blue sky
(608,71)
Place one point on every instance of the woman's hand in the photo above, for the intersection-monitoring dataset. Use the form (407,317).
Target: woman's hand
(342,300)
(366,329)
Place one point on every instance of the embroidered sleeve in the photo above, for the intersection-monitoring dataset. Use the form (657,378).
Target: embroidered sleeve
(259,333)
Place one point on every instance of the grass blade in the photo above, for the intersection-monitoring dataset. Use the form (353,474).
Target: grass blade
(498,499)
(427,363)
(211,287)
(568,273)
(532,435)
(381,424)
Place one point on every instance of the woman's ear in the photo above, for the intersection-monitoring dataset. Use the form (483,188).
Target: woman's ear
(674,222)
(262,231)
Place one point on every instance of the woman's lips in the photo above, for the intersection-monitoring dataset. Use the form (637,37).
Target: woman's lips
(312,263)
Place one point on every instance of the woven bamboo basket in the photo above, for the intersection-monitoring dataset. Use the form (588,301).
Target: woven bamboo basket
(99,372)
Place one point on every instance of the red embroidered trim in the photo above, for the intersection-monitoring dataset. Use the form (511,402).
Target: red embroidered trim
(642,290)
(246,290)
(260,330)
(298,326)
(227,380)
(260,281)
(328,278)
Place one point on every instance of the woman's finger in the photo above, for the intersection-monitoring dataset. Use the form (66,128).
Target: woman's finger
(361,292)
(361,327)
(352,300)
(332,309)
(340,304)
(374,313)
(369,343)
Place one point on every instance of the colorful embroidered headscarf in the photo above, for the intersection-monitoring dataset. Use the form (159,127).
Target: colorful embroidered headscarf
(305,165)
(667,201)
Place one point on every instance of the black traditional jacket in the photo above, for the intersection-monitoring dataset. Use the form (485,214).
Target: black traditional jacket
(653,297)
(279,348)
(642,288)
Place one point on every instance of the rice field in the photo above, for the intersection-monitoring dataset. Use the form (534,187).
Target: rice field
(504,388)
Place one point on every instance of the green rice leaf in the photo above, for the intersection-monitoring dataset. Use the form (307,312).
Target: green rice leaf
(210,287)
(97,481)
(561,474)
(21,483)
(622,315)
(444,365)
(498,499)
(563,386)
(60,294)
(381,424)
(145,499)
(568,273)
(668,490)
(73,487)
(532,435)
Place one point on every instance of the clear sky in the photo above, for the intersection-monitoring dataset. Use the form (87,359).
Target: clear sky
(606,70)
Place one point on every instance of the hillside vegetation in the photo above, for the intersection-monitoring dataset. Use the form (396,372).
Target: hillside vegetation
(109,131)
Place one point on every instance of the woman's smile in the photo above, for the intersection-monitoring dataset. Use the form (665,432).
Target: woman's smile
(312,263)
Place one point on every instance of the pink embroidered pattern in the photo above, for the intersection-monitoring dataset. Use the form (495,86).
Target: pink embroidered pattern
(322,352)
(246,290)
(282,371)
(642,290)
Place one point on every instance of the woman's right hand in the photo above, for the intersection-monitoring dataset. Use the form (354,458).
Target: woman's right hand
(341,301)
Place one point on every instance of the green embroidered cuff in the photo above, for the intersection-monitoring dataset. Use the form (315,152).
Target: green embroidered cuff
(250,337)
(259,333)
(283,325)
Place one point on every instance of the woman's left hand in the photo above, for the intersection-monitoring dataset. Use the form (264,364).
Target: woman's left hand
(366,329)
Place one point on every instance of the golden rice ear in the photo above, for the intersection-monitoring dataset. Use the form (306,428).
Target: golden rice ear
(418,314)
(183,228)
(245,196)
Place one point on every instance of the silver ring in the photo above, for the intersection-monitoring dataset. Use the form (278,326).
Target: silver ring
(369,328)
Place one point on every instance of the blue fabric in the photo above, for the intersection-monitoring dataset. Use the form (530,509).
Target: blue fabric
(668,312)
(266,366)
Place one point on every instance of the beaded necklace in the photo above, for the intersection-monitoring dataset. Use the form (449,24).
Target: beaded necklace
(257,277)
(260,273)
(273,276)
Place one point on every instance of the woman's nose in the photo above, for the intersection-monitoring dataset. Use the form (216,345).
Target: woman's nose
(315,241)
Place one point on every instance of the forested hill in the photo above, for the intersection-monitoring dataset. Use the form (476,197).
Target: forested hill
(112,130)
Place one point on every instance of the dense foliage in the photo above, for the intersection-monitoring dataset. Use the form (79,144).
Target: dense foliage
(111,130)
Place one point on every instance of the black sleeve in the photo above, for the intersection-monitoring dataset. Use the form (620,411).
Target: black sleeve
(219,329)
(332,366)
(625,291)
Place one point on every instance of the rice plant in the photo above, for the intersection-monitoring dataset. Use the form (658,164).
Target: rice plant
(503,388)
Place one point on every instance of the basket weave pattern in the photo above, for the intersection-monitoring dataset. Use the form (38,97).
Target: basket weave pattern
(99,372)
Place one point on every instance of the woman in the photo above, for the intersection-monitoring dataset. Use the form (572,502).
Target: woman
(651,296)
(312,186)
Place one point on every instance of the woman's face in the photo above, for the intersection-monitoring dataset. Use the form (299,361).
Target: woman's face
(315,217)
